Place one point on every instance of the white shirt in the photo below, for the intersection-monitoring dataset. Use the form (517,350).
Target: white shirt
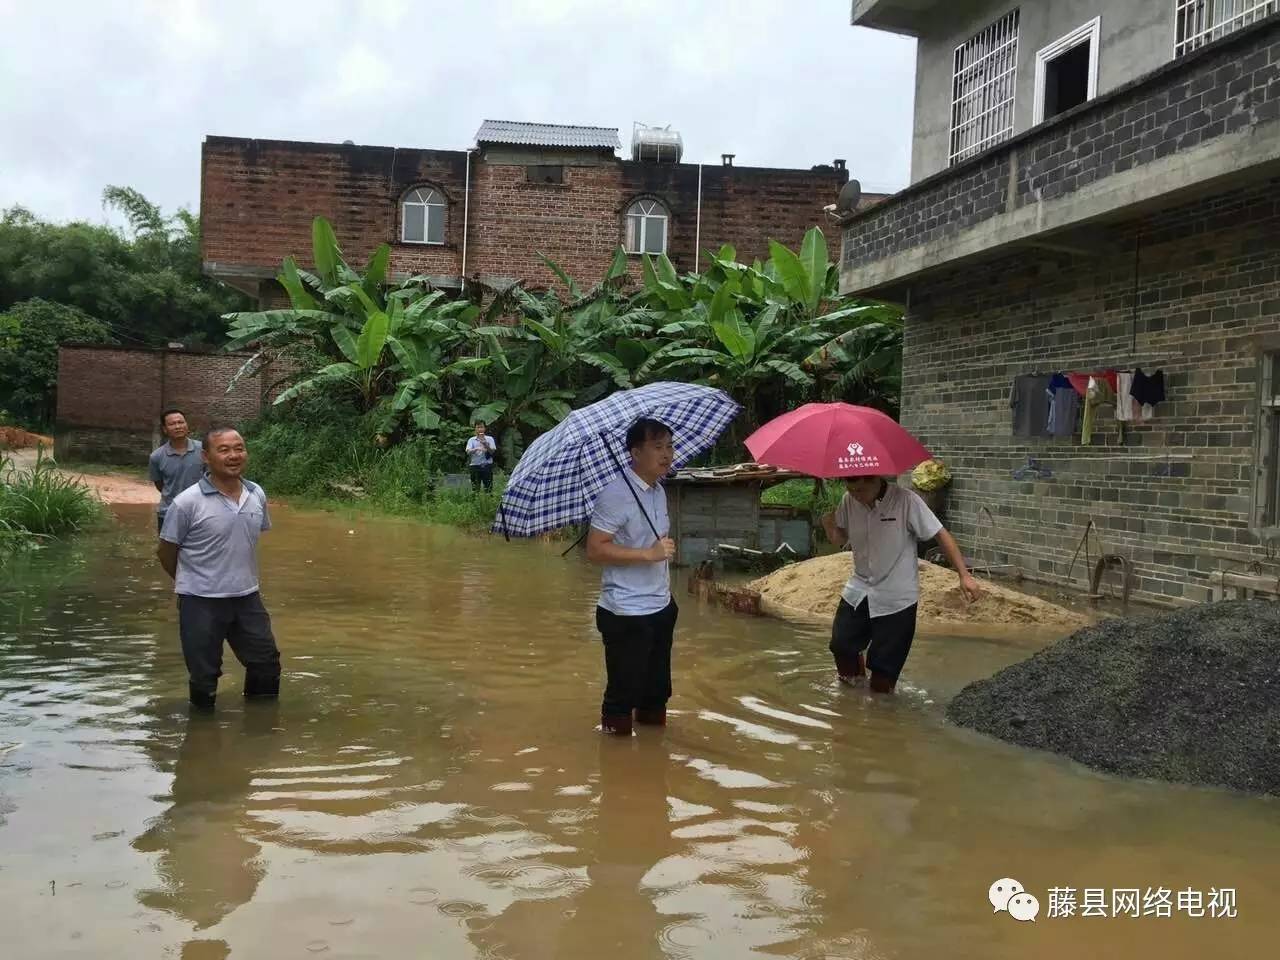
(633,589)
(480,451)
(886,570)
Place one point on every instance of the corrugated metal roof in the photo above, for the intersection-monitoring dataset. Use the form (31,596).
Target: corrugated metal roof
(548,135)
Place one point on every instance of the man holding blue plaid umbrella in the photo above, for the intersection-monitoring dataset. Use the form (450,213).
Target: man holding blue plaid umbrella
(636,615)
(576,473)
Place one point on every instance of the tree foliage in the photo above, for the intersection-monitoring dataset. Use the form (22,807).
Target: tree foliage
(771,334)
(145,284)
(30,333)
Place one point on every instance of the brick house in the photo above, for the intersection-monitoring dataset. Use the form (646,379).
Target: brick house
(487,212)
(1094,186)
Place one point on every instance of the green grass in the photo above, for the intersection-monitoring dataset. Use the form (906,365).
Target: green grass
(800,493)
(40,504)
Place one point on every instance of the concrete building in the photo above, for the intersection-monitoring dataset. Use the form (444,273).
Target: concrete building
(487,212)
(1095,186)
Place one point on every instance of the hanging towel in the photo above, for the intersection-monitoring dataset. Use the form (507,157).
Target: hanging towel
(1097,393)
(1127,408)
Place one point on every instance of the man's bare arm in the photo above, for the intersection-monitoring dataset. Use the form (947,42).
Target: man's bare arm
(168,555)
(602,550)
(951,550)
(838,536)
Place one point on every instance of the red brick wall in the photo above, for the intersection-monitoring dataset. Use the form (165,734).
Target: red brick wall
(110,400)
(258,199)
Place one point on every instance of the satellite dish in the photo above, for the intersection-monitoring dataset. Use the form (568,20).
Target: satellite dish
(850,194)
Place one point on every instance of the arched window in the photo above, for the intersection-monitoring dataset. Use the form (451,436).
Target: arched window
(646,227)
(422,216)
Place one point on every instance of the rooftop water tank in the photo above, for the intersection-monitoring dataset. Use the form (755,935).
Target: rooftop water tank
(657,144)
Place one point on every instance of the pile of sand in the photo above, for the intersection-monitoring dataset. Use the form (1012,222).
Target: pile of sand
(15,438)
(1191,696)
(813,588)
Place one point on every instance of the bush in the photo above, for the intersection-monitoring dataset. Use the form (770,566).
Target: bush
(800,493)
(30,334)
(41,502)
(316,452)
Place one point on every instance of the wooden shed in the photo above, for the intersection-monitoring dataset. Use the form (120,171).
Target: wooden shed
(721,505)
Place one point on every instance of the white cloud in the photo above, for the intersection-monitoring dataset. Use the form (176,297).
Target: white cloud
(134,88)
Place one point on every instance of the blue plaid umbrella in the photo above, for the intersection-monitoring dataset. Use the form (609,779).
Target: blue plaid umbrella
(556,482)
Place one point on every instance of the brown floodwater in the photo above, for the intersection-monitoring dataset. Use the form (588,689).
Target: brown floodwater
(431,785)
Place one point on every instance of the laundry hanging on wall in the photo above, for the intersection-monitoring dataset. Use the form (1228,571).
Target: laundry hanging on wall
(1029,403)
(1056,405)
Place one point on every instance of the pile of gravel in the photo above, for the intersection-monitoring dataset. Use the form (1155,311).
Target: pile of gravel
(1192,697)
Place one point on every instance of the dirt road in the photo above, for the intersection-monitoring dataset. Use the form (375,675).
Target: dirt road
(110,487)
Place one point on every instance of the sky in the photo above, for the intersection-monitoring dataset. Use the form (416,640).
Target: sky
(123,92)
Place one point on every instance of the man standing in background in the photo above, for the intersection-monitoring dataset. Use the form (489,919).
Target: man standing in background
(176,464)
(480,450)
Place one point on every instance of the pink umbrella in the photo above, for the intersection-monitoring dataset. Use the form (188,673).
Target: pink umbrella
(837,440)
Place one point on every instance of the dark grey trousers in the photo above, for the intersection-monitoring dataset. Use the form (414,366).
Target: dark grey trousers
(243,622)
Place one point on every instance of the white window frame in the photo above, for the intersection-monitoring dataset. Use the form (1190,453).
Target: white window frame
(650,209)
(1266,491)
(1089,33)
(423,197)
(979,120)
(1197,22)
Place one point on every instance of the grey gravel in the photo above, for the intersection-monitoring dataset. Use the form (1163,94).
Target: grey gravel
(1191,697)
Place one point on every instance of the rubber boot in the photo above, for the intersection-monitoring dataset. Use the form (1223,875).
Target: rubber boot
(619,725)
(201,700)
(653,716)
(260,686)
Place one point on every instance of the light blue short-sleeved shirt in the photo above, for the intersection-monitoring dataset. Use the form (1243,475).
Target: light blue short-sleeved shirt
(175,471)
(217,539)
(480,452)
(635,589)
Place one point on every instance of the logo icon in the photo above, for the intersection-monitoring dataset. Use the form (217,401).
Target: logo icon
(1008,895)
(855,449)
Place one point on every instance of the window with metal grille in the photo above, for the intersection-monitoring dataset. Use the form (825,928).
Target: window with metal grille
(982,88)
(1267,485)
(422,216)
(1202,21)
(646,227)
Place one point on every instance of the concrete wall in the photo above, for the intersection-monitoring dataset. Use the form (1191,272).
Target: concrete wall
(1211,115)
(1199,298)
(1136,38)
(110,399)
(258,199)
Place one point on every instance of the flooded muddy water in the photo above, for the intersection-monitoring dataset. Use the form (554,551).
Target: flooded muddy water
(431,783)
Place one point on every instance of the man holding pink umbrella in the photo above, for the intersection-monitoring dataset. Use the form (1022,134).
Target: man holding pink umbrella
(881,522)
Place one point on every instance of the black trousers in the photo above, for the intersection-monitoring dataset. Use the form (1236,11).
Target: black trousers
(243,622)
(637,660)
(889,638)
(482,475)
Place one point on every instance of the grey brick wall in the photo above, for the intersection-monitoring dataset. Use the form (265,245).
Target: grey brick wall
(1175,494)
(1217,91)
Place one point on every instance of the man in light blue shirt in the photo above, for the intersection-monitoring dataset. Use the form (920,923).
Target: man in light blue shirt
(176,464)
(480,450)
(636,615)
(209,545)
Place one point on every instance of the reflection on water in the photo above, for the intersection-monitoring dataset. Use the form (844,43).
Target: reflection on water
(430,783)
